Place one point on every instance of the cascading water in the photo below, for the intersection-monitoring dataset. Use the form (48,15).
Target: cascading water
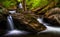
(10,22)
(20,5)
(12,30)
(49,28)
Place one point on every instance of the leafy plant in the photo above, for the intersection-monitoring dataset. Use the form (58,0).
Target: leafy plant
(8,3)
(31,4)
(19,0)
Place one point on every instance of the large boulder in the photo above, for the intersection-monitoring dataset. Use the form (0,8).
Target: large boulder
(29,21)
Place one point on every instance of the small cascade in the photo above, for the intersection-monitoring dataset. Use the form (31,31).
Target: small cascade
(10,22)
(12,30)
(49,28)
(20,5)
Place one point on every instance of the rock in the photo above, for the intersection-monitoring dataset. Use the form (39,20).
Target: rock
(53,16)
(30,21)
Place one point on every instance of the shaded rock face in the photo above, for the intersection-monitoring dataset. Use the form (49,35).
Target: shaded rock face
(3,26)
(53,17)
(30,21)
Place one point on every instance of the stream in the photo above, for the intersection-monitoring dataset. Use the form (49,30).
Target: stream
(12,30)
(49,28)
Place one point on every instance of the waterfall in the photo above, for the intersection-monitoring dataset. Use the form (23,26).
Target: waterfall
(49,28)
(12,30)
(10,22)
(20,5)
(12,12)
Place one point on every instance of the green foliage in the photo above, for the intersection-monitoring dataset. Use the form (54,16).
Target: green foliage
(2,1)
(19,0)
(58,4)
(8,3)
(31,4)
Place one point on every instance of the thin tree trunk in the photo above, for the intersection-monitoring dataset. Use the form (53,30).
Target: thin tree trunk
(24,6)
(17,5)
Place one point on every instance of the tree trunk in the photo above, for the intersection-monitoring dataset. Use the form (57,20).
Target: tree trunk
(24,6)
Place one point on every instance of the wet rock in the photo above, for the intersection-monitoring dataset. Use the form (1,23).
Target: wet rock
(53,17)
(29,21)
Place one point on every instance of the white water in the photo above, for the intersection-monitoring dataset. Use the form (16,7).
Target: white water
(20,5)
(12,12)
(16,32)
(49,28)
(10,22)
(13,31)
